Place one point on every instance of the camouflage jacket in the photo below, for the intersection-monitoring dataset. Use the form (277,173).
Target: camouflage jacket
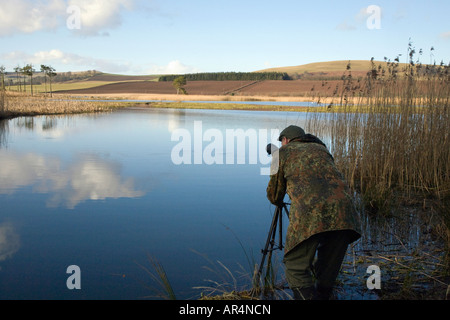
(320,199)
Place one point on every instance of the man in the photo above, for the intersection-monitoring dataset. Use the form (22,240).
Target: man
(322,218)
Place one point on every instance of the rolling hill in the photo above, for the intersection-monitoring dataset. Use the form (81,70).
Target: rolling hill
(327,69)
(313,77)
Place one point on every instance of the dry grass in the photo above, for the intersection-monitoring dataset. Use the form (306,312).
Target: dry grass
(328,66)
(328,69)
(398,140)
(15,105)
(2,101)
(396,152)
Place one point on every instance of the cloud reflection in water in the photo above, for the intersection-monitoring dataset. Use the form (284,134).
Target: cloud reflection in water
(9,241)
(89,177)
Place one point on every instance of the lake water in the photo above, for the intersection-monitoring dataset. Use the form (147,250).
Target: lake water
(104,192)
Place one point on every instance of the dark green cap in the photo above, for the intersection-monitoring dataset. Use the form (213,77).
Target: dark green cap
(291,132)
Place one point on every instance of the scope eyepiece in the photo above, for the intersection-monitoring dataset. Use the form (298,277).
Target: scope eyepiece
(271,148)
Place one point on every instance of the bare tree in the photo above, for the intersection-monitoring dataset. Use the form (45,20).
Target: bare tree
(44,69)
(22,71)
(51,73)
(29,71)
(2,89)
(18,70)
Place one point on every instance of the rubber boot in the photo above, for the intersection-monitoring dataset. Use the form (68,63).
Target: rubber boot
(304,293)
(323,293)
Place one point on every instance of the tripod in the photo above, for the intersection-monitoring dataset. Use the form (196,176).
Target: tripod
(270,242)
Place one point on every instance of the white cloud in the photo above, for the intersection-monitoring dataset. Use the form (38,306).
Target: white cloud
(98,15)
(360,18)
(65,61)
(69,61)
(28,16)
(344,26)
(445,35)
(362,15)
(173,67)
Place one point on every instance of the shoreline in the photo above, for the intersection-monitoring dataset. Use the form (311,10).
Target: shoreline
(175,97)
(66,104)
(168,98)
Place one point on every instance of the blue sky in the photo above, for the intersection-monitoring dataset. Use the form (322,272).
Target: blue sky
(181,36)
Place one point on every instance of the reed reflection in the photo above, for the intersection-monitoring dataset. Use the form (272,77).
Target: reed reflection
(3,133)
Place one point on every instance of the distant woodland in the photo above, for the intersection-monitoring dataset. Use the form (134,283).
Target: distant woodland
(229,76)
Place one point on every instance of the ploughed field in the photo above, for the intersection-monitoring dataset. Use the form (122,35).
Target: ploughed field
(250,88)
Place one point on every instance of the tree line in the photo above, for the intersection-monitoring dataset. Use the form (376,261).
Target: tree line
(21,74)
(229,76)
(29,76)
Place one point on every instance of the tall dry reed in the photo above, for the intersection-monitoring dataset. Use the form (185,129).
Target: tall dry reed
(14,105)
(389,135)
(2,101)
(390,132)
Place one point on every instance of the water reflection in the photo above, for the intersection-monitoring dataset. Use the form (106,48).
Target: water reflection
(48,127)
(3,132)
(9,241)
(148,204)
(119,166)
(89,177)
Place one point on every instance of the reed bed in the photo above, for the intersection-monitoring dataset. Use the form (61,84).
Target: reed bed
(389,135)
(400,142)
(396,152)
(15,105)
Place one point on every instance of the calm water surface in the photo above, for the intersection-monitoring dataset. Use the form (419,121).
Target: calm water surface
(101,191)
(107,191)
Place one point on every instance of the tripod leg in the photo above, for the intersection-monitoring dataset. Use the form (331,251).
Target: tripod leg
(286,210)
(280,229)
(277,218)
(269,241)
